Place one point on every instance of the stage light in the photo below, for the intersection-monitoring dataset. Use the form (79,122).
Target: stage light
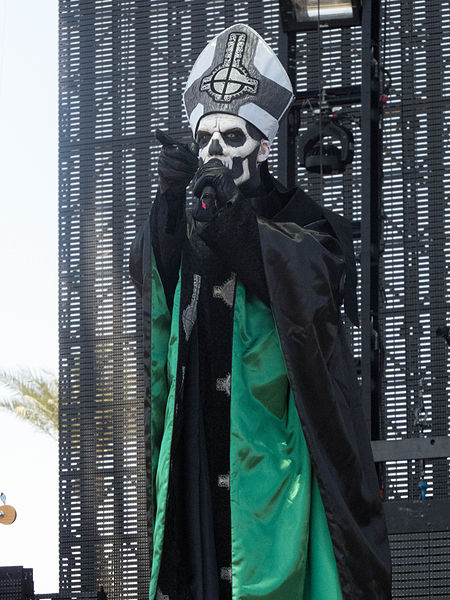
(303,15)
(328,158)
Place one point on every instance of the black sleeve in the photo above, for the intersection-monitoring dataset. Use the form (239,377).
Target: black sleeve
(233,236)
(137,255)
(165,232)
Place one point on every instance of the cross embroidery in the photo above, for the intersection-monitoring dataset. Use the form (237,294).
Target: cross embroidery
(190,312)
(223,481)
(224,385)
(225,292)
(230,80)
(225,573)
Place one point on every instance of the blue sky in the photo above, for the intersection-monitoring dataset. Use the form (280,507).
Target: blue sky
(28,273)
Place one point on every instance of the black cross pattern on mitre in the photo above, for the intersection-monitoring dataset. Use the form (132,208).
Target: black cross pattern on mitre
(230,79)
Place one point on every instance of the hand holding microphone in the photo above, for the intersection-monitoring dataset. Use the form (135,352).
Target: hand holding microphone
(214,186)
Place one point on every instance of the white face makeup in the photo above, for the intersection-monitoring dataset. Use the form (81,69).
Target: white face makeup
(226,137)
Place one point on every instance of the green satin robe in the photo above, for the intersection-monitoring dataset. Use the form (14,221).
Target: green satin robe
(281,546)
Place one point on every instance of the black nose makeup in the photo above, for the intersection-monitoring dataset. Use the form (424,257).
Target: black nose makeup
(215,148)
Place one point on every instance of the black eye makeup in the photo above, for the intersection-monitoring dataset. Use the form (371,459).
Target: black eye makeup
(202,138)
(234,137)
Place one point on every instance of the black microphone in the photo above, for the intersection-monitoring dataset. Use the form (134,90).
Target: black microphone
(208,198)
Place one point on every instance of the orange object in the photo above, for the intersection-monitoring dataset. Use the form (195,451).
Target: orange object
(8,514)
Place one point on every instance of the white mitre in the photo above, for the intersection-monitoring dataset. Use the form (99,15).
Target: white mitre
(238,73)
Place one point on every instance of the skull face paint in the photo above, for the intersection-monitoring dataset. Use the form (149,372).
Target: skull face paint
(228,138)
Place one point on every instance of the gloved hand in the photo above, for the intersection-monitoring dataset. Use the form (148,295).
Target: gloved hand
(214,174)
(177,163)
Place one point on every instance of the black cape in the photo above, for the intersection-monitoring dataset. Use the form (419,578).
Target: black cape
(304,253)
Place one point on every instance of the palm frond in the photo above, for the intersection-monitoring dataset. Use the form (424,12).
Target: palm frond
(32,395)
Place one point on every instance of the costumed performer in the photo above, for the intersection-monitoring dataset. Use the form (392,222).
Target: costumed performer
(260,473)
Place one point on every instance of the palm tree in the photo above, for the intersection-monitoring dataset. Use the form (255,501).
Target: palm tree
(32,395)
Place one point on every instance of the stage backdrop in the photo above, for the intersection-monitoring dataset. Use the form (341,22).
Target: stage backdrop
(123,65)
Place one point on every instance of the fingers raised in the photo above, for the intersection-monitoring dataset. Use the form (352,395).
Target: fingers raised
(170,143)
(165,139)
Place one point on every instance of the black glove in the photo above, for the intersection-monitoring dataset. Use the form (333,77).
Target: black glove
(215,175)
(177,163)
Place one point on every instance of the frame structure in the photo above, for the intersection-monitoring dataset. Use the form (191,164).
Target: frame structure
(396,194)
(123,66)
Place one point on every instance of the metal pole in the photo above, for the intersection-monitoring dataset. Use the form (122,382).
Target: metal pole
(370,225)
(287,135)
